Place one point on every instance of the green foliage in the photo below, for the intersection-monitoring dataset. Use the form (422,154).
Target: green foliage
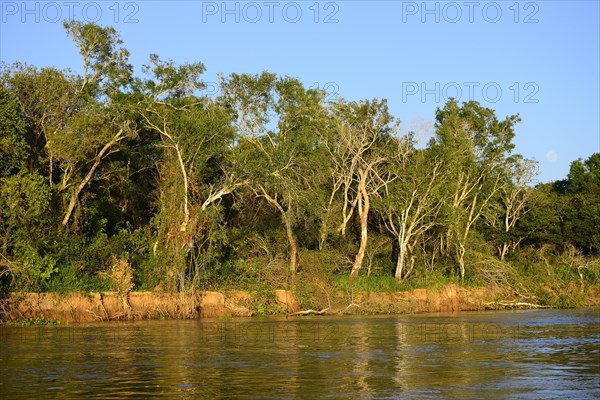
(568,211)
(24,202)
(373,283)
(583,191)
(103,60)
(33,271)
(14,150)
(107,178)
(25,199)
(265,302)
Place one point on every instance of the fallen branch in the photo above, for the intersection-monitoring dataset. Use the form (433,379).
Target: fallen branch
(348,307)
(311,312)
(514,304)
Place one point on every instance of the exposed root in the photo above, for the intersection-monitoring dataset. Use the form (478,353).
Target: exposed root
(98,317)
(104,307)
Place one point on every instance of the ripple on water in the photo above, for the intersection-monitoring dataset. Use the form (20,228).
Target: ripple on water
(530,355)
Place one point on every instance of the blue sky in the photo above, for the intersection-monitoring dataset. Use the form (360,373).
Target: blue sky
(537,58)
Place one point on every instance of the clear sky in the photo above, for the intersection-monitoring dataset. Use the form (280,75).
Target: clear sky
(537,58)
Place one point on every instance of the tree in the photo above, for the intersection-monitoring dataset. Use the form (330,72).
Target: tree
(543,217)
(195,134)
(77,123)
(168,98)
(583,196)
(412,202)
(24,201)
(106,71)
(474,146)
(514,197)
(362,136)
(278,123)
(14,150)
(565,212)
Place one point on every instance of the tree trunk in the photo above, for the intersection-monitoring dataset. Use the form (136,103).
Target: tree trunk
(409,270)
(460,258)
(287,220)
(400,261)
(293,246)
(399,267)
(361,250)
(186,212)
(88,177)
(342,228)
(504,250)
(346,215)
(363,211)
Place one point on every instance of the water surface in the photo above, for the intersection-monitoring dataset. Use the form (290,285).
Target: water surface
(503,355)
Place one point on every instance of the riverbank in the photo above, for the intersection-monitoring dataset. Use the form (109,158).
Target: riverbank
(110,306)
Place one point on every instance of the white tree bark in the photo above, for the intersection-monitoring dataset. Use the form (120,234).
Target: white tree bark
(97,160)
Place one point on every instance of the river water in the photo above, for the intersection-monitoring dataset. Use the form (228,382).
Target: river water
(492,355)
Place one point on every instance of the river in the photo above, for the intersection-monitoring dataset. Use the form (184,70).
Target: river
(492,355)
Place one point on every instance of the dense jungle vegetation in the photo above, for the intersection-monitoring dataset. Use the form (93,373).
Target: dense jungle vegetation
(113,176)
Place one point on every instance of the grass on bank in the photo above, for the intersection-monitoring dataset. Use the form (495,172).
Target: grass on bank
(538,275)
(33,322)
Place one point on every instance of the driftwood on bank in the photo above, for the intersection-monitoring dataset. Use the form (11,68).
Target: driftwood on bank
(513,304)
(348,307)
(325,311)
(311,312)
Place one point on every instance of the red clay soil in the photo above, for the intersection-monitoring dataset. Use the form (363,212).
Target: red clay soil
(76,307)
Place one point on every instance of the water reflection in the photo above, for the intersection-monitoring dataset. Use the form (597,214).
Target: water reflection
(481,355)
